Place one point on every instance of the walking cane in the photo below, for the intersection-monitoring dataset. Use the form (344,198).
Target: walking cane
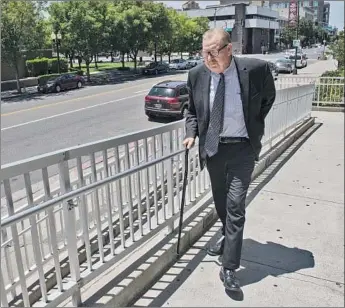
(185,180)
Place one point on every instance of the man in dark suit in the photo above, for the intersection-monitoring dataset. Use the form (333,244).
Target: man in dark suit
(229,98)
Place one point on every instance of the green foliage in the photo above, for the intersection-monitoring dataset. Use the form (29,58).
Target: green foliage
(38,66)
(53,65)
(308,33)
(337,49)
(330,90)
(88,28)
(337,73)
(42,66)
(22,28)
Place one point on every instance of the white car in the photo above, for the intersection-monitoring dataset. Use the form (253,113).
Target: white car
(301,60)
(194,61)
(178,64)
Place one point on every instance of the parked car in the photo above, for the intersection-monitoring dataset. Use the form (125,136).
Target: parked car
(194,61)
(63,82)
(273,69)
(167,99)
(178,64)
(285,65)
(155,68)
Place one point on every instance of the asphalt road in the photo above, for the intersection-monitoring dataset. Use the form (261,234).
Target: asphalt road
(57,121)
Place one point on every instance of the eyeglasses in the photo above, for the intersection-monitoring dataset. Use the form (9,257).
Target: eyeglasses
(213,53)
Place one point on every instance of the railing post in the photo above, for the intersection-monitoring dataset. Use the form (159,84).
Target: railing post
(70,229)
(4,302)
(170,175)
(15,239)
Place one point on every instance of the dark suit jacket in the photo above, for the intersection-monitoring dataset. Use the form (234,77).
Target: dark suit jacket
(257,91)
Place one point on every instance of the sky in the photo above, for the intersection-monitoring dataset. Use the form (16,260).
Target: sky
(336,10)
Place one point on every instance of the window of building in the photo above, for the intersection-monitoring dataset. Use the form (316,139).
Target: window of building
(316,3)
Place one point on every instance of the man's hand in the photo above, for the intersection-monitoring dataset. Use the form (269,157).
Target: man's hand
(189,143)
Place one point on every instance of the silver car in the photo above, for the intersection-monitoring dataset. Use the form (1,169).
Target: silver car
(284,65)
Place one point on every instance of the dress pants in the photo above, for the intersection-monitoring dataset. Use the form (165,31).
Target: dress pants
(230,174)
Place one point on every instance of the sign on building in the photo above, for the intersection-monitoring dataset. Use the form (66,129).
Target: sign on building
(293,12)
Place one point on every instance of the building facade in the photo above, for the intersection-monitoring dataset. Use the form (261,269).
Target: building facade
(252,28)
(304,12)
(326,10)
(317,7)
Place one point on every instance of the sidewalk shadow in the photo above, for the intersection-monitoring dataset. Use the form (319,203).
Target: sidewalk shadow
(261,260)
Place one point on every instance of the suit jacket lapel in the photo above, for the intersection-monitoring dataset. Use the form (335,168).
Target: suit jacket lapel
(243,77)
(206,83)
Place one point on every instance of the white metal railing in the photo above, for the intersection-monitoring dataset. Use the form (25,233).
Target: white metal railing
(110,197)
(329,90)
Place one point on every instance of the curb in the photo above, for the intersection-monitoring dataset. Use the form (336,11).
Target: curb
(203,216)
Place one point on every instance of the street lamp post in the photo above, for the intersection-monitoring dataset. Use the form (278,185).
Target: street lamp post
(214,17)
(216,9)
(56,38)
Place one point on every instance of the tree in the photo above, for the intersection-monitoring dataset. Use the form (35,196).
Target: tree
(100,10)
(337,48)
(60,20)
(306,31)
(135,29)
(196,33)
(190,35)
(157,15)
(171,42)
(21,29)
(116,40)
(85,28)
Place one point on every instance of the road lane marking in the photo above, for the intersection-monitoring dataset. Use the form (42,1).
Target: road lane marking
(79,98)
(68,112)
(142,91)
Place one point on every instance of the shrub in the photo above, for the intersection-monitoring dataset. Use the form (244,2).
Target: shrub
(330,90)
(337,73)
(53,66)
(38,66)
(44,66)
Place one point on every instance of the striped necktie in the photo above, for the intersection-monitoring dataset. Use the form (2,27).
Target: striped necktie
(216,119)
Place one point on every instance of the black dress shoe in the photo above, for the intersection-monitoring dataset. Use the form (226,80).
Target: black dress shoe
(216,249)
(229,279)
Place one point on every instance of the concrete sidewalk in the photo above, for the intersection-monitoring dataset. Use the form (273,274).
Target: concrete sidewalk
(293,250)
(317,69)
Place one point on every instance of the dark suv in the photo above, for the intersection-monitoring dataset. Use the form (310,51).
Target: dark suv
(167,99)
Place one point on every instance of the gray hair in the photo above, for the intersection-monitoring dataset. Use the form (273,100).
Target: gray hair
(218,32)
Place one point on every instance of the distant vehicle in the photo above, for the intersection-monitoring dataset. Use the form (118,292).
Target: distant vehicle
(285,65)
(301,60)
(178,64)
(194,61)
(273,69)
(155,68)
(167,99)
(63,82)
